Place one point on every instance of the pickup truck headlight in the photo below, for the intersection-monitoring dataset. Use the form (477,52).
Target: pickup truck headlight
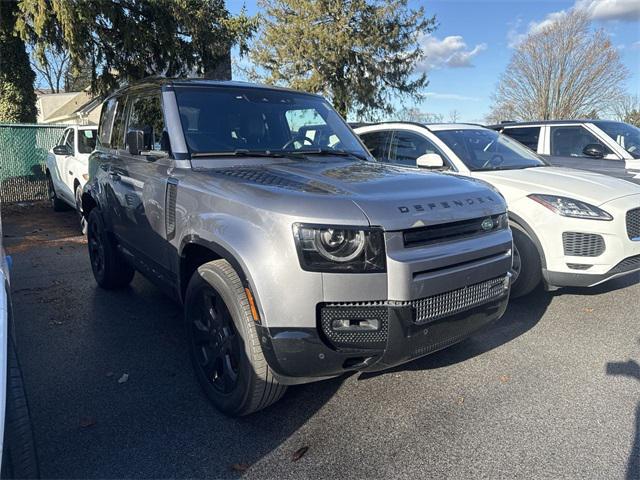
(569,207)
(339,249)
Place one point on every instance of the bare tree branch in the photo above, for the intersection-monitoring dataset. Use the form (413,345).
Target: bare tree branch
(561,71)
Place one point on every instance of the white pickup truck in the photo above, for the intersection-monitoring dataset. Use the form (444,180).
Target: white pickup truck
(67,166)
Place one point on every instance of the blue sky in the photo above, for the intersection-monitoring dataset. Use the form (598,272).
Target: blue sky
(474,40)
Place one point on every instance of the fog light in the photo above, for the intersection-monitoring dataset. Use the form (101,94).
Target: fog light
(507,280)
(355,325)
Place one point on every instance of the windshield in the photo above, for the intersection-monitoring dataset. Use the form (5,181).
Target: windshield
(488,150)
(625,135)
(218,120)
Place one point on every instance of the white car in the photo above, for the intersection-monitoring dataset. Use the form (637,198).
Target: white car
(67,166)
(602,146)
(17,445)
(570,227)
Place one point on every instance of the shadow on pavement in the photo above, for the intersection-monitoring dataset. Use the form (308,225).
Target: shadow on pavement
(630,369)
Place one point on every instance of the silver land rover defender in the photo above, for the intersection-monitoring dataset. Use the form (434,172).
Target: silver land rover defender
(295,256)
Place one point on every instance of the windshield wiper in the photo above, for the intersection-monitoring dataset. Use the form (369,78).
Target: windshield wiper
(328,152)
(240,152)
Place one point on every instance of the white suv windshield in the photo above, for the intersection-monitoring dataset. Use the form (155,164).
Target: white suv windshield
(488,150)
(219,120)
(625,135)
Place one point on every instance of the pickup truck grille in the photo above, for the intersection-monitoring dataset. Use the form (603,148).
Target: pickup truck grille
(633,224)
(456,301)
(578,244)
(416,237)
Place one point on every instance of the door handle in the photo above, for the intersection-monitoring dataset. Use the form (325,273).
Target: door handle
(70,172)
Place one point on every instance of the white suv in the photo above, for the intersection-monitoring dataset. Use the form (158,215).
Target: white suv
(67,166)
(570,227)
(602,146)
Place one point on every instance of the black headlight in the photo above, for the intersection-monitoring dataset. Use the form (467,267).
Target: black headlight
(340,249)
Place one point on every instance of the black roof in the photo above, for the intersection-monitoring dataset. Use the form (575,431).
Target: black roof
(201,82)
(542,122)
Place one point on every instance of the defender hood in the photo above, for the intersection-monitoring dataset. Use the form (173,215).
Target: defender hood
(393,197)
(590,187)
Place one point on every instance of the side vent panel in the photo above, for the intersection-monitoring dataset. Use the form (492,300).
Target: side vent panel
(170,208)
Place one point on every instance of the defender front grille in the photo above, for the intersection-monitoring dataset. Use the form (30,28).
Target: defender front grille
(633,224)
(456,301)
(578,244)
(416,237)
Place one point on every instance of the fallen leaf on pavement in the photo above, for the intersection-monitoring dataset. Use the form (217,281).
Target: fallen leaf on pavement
(123,378)
(298,454)
(588,310)
(109,374)
(504,378)
(240,467)
(460,400)
(86,422)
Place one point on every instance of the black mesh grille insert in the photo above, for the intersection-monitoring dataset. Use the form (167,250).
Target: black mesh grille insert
(453,230)
(370,338)
(578,244)
(633,224)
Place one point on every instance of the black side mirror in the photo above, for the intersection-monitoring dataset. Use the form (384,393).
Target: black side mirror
(135,141)
(594,150)
(61,150)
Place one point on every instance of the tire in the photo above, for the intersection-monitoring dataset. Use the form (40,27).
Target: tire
(19,456)
(57,204)
(527,267)
(81,219)
(110,270)
(224,345)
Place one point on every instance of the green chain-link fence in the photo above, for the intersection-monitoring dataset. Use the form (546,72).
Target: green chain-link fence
(23,154)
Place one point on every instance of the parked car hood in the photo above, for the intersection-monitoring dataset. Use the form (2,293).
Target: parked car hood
(591,187)
(390,196)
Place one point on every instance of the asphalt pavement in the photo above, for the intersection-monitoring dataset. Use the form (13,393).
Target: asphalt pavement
(550,391)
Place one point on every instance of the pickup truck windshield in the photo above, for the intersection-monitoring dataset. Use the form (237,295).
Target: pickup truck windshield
(625,135)
(228,120)
(488,150)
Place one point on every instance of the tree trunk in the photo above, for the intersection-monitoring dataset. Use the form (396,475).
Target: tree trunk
(217,67)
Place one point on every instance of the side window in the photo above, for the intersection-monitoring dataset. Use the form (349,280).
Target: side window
(117,134)
(406,147)
(70,141)
(376,143)
(146,114)
(86,141)
(106,122)
(527,136)
(570,141)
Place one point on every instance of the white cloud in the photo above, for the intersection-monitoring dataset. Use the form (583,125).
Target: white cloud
(451,96)
(626,10)
(449,52)
(602,10)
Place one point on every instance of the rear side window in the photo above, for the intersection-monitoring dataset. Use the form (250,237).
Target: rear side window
(86,141)
(377,142)
(527,136)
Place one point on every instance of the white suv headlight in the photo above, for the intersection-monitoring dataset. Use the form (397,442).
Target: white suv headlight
(569,207)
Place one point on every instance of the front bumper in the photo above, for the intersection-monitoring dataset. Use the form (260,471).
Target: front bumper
(300,355)
(570,279)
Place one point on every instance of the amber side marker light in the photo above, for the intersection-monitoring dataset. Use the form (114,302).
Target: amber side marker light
(252,305)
